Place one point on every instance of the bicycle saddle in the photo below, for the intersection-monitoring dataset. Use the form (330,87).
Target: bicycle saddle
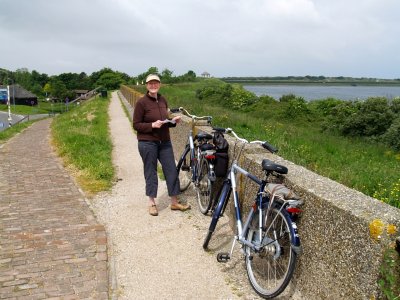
(203,136)
(270,166)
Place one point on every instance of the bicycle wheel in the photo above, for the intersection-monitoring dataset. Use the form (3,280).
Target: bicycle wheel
(204,188)
(184,170)
(270,269)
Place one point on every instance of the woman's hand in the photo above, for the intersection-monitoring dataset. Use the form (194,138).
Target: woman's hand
(177,119)
(157,124)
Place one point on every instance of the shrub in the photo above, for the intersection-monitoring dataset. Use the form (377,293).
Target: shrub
(395,105)
(266,99)
(392,135)
(287,98)
(227,95)
(372,118)
(241,98)
(325,107)
(339,116)
(297,107)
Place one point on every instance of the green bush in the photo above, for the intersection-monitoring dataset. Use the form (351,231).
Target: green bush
(296,107)
(372,118)
(395,105)
(325,106)
(241,98)
(228,95)
(287,98)
(392,135)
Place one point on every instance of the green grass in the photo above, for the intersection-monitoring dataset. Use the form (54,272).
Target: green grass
(359,164)
(82,139)
(43,107)
(5,135)
(390,275)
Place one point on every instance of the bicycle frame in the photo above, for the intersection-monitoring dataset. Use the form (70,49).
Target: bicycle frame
(231,185)
(195,158)
(269,240)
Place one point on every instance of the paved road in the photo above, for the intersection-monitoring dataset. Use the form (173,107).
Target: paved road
(4,122)
(51,245)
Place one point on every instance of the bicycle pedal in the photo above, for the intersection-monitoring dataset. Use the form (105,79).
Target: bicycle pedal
(223,257)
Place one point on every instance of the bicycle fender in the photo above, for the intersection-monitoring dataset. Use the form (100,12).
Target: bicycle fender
(295,242)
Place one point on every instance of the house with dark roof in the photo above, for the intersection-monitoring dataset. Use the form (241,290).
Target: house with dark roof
(20,96)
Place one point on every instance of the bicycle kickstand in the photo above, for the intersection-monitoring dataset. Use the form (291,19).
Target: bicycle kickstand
(223,257)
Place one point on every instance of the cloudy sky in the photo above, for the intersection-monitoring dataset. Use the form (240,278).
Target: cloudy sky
(359,38)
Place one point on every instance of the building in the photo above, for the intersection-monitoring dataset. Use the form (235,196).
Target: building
(18,95)
(82,94)
(206,74)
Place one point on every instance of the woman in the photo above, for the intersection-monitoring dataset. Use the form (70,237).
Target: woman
(150,120)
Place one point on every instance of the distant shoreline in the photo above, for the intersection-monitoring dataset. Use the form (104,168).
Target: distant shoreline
(317,83)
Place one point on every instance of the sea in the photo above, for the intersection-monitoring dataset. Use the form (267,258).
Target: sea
(310,93)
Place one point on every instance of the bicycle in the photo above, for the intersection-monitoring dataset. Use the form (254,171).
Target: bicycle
(196,163)
(269,237)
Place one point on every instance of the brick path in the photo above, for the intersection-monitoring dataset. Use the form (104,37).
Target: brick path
(51,245)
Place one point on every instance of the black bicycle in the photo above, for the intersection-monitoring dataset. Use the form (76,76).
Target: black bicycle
(269,237)
(196,163)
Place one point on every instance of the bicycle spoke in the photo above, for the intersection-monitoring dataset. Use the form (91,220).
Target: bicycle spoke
(270,269)
(184,171)
(204,188)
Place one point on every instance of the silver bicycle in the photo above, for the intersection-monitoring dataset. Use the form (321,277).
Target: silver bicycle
(268,237)
(196,163)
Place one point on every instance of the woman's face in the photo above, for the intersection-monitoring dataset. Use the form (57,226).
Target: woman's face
(153,86)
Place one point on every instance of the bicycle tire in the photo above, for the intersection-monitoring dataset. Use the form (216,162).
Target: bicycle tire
(204,187)
(271,269)
(184,169)
(207,239)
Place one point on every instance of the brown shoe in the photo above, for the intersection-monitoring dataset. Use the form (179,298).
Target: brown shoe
(179,206)
(153,210)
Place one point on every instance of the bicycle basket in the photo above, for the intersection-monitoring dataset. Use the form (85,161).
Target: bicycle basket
(221,144)
(221,164)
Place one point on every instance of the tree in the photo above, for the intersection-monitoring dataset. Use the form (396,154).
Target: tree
(142,77)
(110,81)
(58,89)
(47,88)
(166,76)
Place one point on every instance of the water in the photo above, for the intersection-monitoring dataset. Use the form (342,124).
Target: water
(322,92)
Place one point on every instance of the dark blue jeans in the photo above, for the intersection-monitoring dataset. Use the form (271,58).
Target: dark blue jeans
(151,152)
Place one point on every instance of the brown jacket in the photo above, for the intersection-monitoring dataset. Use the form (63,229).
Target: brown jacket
(148,110)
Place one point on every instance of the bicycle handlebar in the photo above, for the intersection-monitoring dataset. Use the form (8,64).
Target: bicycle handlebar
(193,117)
(264,144)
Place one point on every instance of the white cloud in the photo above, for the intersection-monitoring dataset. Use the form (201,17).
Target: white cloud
(225,38)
